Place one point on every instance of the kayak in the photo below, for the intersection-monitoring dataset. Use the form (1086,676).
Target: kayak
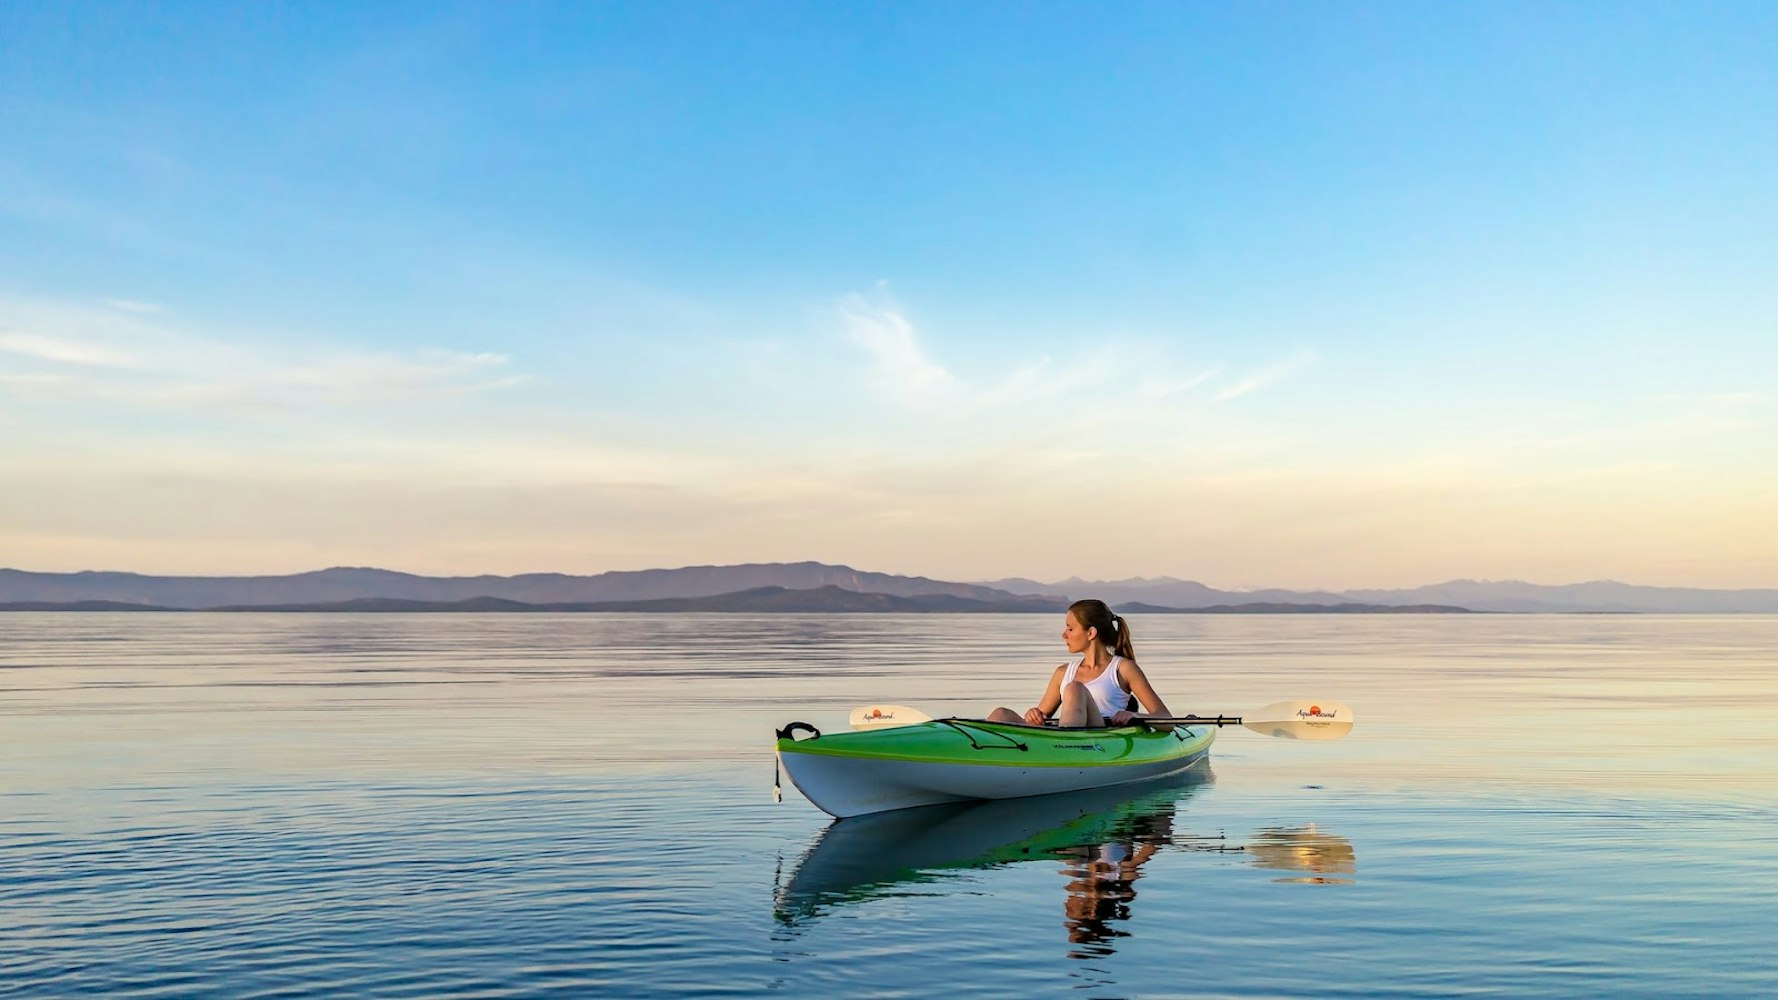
(960,760)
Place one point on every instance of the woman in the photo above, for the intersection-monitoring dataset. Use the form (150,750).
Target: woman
(1101,683)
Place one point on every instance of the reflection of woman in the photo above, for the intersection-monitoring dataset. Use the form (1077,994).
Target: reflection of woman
(1100,890)
(1102,881)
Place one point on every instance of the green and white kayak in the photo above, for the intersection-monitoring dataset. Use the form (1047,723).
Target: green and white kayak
(957,760)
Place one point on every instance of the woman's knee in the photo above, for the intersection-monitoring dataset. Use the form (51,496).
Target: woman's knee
(1078,707)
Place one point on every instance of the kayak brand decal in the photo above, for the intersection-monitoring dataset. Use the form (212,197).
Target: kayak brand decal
(1077,746)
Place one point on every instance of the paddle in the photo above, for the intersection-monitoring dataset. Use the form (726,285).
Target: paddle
(1290,720)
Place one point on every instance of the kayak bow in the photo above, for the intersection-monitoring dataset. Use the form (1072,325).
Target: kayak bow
(956,760)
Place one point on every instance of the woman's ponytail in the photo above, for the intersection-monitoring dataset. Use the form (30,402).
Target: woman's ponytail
(1123,646)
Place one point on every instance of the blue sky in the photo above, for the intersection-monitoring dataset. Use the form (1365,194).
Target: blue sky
(1258,294)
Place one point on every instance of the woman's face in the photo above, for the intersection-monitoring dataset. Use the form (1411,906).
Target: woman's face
(1075,636)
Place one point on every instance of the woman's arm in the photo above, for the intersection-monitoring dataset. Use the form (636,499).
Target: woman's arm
(1051,700)
(1152,704)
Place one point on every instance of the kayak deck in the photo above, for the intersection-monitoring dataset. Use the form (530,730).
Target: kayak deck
(954,760)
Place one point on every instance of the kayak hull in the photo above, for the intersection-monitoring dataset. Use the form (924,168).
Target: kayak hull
(958,760)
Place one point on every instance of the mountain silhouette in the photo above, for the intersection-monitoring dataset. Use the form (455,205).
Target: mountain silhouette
(812,586)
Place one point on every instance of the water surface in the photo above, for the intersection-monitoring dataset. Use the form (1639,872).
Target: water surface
(523,805)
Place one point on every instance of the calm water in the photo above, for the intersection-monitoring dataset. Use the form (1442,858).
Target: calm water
(518,805)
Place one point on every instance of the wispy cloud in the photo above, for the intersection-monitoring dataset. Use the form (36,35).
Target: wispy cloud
(64,351)
(1160,387)
(73,352)
(382,376)
(1103,380)
(132,305)
(34,381)
(900,366)
(1263,377)
(898,363)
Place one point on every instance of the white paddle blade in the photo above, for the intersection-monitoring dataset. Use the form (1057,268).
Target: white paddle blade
(1302,720)
(884,716)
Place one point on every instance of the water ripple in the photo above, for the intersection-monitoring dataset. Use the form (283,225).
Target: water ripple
(294,806)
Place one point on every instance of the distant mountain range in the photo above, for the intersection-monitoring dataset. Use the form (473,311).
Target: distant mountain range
(1476,595)
(812,587)
(758,600)
(350,584)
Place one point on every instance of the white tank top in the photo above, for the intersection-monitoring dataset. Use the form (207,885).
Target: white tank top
(1104,688)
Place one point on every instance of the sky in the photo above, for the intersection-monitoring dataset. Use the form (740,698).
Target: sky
(1305,295)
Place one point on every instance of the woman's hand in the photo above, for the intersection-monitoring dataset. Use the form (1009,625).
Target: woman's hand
(1035,716)
(1122,718)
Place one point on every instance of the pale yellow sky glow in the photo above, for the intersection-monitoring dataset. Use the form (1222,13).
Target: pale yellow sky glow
(429,463)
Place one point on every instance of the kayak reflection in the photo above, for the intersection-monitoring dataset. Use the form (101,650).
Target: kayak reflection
(1103,837)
